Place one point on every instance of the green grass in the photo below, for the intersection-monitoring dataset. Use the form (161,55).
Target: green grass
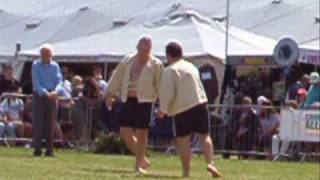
(18,163)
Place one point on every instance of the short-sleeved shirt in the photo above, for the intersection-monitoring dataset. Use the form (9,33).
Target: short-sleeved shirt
(13,107)
(293,89)
(268,122)
(63,90)
(102,86)
(313,95)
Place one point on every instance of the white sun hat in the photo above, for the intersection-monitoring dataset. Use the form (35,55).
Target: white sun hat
(314,78)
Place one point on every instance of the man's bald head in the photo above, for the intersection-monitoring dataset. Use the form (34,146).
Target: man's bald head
(144,46)
(46,52)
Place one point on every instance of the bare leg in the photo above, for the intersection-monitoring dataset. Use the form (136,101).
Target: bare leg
(207,149)
(184,150)
(141,147)
(27,129)
(19,128)
(128,135)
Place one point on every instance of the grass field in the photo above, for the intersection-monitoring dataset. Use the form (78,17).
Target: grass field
(18,163)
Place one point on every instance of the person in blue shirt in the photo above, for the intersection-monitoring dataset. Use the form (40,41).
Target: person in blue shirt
(314,90)
(46,80)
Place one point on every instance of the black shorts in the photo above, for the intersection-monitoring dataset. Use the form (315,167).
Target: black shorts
(193,120)
(135,115)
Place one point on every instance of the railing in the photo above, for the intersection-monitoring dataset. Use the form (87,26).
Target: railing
(235,129)
(79,114)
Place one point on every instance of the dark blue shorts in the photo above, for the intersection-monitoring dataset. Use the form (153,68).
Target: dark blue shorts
(135,115)
(194,120)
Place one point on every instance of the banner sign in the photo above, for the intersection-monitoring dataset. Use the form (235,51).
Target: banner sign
(300,125)
(251,61)
(255,61)
(309,57)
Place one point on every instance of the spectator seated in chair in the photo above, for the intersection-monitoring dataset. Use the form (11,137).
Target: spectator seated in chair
(12,108)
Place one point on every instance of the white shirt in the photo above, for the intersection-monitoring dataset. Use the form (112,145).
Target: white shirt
(13,107)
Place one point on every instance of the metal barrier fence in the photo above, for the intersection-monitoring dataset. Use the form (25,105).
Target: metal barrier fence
(74,126)
(235,129)
(247,131)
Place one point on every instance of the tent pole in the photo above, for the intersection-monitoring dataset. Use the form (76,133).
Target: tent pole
(105,71)
(224,87)
(227,32)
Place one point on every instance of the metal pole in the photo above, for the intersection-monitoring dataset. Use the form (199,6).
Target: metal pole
(105,71)
(227,31)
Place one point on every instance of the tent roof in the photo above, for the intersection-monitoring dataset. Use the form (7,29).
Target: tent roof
(295,18)
(312,45)
(34,31)
(199,36)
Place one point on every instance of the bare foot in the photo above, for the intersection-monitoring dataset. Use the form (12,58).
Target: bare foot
(145,163)
(214,171)
(185,176)
(141,171)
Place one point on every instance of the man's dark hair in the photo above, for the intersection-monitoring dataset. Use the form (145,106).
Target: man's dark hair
(174,50)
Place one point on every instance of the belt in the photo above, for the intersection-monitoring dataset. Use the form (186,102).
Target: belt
(36,93)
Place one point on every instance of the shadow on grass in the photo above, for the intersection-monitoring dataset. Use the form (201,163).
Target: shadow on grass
(129,173)
(22,155)
(26,155)
(112,171)
(158,176)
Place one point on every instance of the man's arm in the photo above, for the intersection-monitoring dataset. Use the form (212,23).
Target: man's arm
(159,72)
(167,90)
(36,81)
(114,84)
(59,79)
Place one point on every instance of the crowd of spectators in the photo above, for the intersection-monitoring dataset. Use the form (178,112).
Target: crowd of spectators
(16,109)
(252,125)
(248,127)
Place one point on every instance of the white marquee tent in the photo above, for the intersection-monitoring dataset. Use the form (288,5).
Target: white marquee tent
(199,36)
(202,40)
(63,20)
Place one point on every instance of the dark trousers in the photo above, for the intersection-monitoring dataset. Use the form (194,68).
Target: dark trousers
(44,116)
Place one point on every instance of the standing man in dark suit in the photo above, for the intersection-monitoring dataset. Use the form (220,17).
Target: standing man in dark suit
(209,80)
(46,78)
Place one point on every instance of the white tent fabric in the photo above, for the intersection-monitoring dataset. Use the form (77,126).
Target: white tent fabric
(295,18)
(199,36)
(8,18)
(203,41)
(312,45)
(289,17)
(50,29)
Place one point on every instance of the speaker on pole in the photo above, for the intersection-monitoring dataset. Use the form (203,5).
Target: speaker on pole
(286,52)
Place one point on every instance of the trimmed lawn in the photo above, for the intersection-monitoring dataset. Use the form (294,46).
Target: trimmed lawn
(18,163)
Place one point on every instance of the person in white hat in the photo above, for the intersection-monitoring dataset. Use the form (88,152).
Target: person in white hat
(314,90)
(261,99)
